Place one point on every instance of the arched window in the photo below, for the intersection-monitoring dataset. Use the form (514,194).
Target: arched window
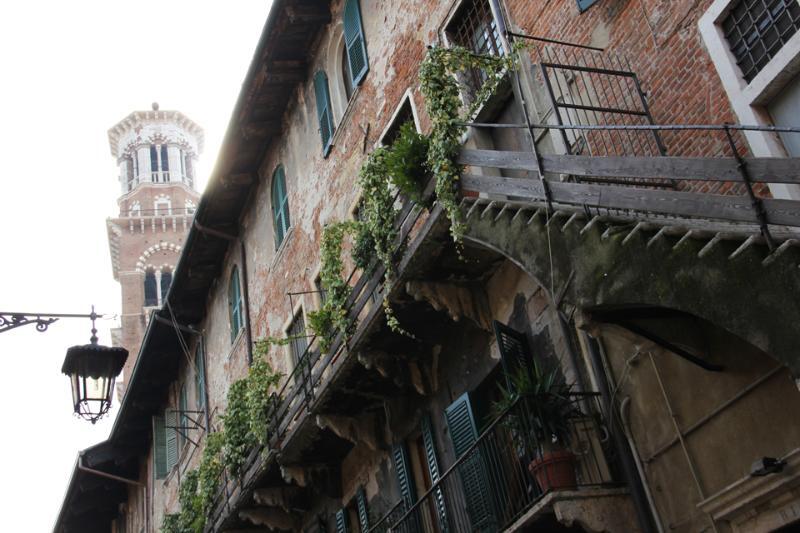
(150,288)
(324,115)
(235,303)
(280,206)
(166,281)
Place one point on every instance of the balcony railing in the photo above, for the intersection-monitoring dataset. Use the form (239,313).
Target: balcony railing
(494,482)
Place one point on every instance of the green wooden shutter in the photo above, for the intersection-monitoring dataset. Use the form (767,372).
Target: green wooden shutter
(355,43)
(433,469)
(402,467)
(514,350)
(280,205)
(200,376)
(342,526)
(583,5)
(324,110)
(171,419)
(472,470)
(234,303)
(159,448)
(363,514)
(183,406)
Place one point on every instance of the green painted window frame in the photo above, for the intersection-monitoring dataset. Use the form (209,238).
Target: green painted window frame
(235,303)
(280,206)
(354,42)
(324,111)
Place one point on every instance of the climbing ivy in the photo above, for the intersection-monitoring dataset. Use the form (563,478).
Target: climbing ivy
(440,87)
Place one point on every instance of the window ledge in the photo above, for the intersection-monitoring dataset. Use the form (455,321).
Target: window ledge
(345,117)
(279,252)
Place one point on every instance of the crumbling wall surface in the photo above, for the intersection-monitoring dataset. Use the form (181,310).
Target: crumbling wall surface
(727,419)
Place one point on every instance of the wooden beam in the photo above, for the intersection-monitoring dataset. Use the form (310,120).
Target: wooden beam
(762,169)
(733,208)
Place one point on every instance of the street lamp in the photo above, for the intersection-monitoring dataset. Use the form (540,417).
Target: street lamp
(92,368)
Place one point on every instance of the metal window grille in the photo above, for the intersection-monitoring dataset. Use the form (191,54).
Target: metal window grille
(757,29)
(474,28)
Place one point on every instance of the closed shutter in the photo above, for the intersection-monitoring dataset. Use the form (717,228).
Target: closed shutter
(159,448)
(354,41)
(363,515)
(184,420)
(433,469)
(171,419)
(234,302)
(472,470)
(514,350)
(408,491)
(341,521)
(324,110)
(583,5)
(200,376)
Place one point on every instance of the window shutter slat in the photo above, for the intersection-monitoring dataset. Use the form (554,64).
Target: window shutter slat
(171,419)
(514,350)
(433,469)
(354,41)
(402,468)
(323,110)
(200,376)
(341,521)
(159,448)
(472,471)
(363,515)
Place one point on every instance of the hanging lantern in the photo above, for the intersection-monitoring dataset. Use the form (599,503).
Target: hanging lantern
(92,370)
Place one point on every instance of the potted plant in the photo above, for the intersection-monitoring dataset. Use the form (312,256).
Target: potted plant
(540,410)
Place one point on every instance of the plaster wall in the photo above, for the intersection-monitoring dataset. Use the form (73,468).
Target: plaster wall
(729,419)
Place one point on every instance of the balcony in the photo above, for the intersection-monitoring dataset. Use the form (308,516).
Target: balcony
(498,484)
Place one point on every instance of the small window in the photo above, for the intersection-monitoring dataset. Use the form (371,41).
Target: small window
(164,158)
(154,160)
(130,176)
(355,45)
(474,28)
(200,377)
(166,281)
(297,335)
(235,303)
(280,206)
(321,292)
(756,31)
(162,207)
(404,114)
(322,94)
(150,288)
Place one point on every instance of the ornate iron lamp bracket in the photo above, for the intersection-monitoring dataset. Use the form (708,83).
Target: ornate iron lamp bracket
(10,321)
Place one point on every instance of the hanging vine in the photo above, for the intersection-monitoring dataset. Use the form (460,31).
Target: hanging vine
(442,92)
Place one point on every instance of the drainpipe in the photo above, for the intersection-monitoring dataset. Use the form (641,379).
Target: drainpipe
(245,289)
(120,479)
(629,471)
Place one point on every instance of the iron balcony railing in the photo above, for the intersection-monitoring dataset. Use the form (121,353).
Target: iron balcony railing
(508,469)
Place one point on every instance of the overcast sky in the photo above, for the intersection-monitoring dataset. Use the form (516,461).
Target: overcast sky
(70,71)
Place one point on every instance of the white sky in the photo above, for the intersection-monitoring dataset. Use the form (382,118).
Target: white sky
(69,71)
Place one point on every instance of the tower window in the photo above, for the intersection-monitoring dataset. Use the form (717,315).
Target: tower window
(166,281)
(162,207)
(189,172)
(164,158)
(150,289)
(159,163)
(130,176)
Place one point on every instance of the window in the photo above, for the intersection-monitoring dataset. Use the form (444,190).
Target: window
(347,76)
(166,281)
(200,377)
(323,294)
(355,46)
(162,207)
(150,288)
(404,114)
(297,335)
(130,175)
(235,303)
(183,406)
(280,206)
(324,111)
(583,5)
(165,443)
(189,172)
(354,518)
(757,29)
(159,163)
(474,28)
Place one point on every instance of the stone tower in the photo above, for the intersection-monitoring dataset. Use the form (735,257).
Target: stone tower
(156,152)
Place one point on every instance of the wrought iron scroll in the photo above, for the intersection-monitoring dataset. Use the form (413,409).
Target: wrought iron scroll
(9,321)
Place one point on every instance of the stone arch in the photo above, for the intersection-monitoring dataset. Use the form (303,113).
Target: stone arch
(610,267)
(144,259)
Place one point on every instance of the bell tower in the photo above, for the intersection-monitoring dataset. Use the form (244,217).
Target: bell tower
(156,152)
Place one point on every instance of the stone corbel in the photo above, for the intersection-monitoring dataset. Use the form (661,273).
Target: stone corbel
(363,429)
(283,497)
(458,301)
(271,517)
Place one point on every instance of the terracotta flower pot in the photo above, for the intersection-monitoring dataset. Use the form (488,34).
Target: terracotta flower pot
(554,470)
